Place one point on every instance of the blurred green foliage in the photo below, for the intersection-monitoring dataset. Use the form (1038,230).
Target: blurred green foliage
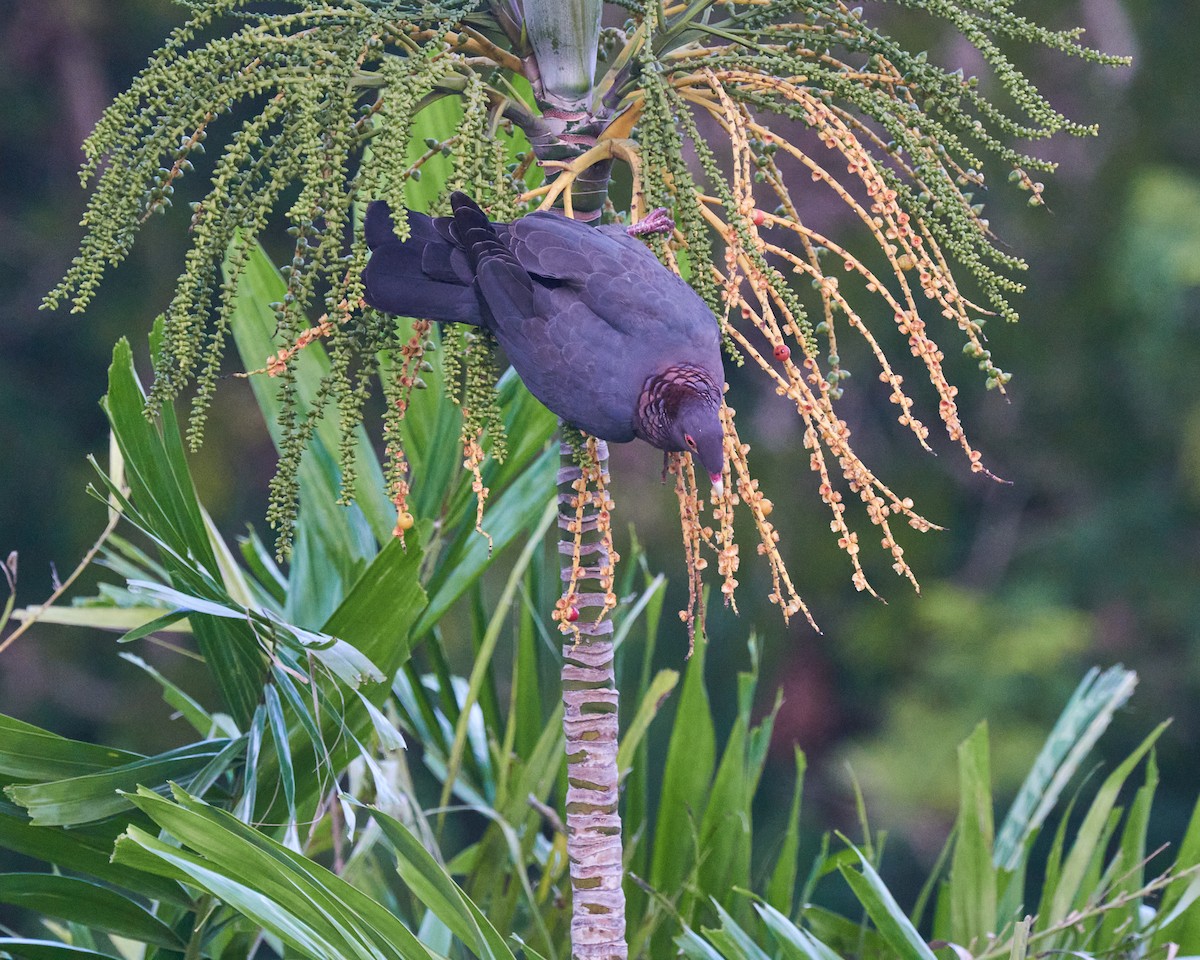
(1089,555)
(962,655)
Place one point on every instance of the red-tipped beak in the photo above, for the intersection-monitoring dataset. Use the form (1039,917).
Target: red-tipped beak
(718,483)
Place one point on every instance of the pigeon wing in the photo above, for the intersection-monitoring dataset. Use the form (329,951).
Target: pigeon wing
(615,275)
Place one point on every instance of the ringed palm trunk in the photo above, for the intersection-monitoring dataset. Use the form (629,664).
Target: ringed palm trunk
(590,722)
(564,36)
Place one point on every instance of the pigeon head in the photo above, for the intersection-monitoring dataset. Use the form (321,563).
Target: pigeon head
(680,409)
(698,430)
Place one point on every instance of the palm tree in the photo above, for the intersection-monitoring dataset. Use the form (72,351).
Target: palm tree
(724,112)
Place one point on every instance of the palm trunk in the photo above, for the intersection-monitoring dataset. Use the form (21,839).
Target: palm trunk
(590,715)
(563,37)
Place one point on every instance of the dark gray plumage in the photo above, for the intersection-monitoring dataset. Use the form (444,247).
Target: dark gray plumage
(600,331)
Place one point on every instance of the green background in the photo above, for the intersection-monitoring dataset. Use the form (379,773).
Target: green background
(1090,555)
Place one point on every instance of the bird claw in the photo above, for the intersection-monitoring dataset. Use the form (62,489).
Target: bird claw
(657,220)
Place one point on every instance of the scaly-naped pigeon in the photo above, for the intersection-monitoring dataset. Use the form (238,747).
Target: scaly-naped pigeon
(603,334)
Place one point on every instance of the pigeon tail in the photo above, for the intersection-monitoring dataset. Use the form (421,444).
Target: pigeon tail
(471,230)
(425,276)
(508,286)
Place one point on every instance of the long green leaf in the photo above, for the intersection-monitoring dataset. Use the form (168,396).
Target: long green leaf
(1127,866)
(160,486)
(30,753)
(686,778)
(49,950)
(433,887)
(844,936)
(373,627)
(656,693)
(694,947)
(732,940)
(283,753)
(1179,918)
(94,796)
(483,656)
(294,920)
(87,850)
(157,478)
(125,620)
(1087,845)
(377,614)
(1085,717)
(972,874)
(525,716)
(89,904)
(797,943)
(725,827)
(884,912)
(289,894)
(781,890)
(164,622)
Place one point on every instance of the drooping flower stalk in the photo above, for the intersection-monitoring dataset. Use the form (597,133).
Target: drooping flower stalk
(590,722)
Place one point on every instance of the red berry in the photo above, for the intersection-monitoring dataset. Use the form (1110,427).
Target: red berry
(758,217)
(572,614)
(782,352)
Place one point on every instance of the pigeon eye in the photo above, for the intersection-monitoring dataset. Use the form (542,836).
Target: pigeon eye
(687,437)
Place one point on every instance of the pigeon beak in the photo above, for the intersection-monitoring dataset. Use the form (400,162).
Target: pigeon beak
(718,484)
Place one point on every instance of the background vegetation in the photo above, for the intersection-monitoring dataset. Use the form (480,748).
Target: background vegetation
(1089,556)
